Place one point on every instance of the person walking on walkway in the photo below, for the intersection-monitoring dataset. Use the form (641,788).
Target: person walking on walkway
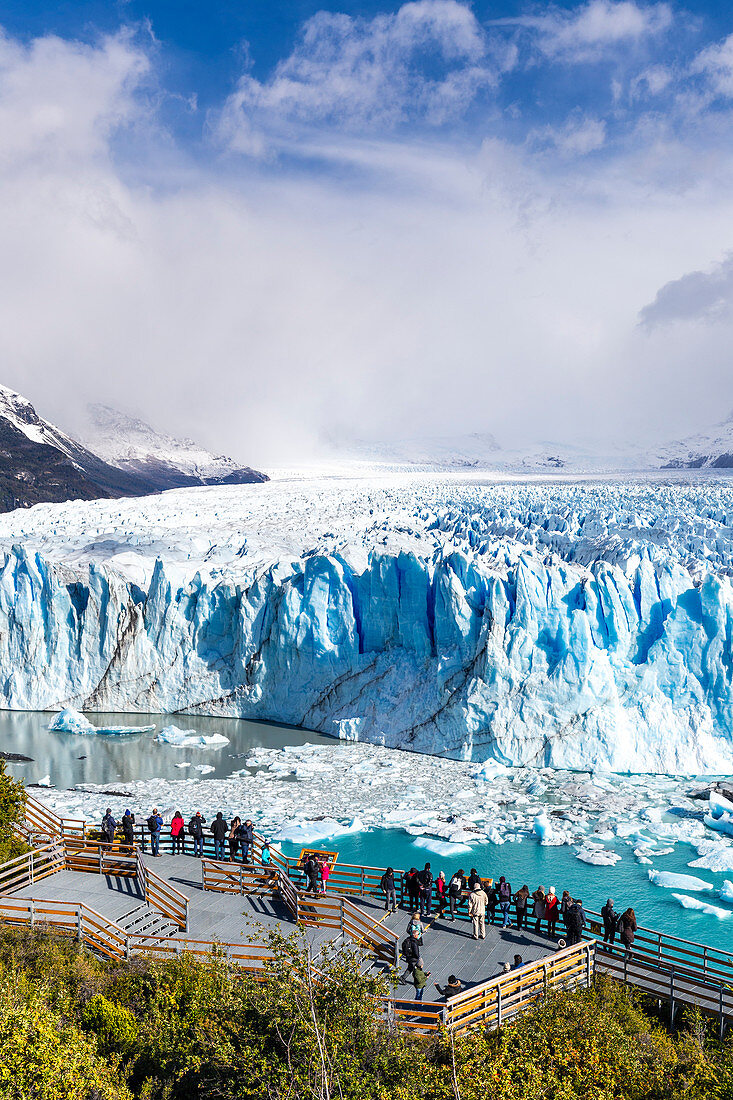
(412,888)
(610,922)
(420,979)
(387,886)
(178,833)
(520,904)
(539,907)
(505,900)
(552,910)
(477,911)
(456,886)
(312,874)
(233,839)
(108,827)
(425,880)
(219,829)
(415,927)
(627,929)
(128,827)
(412,954)
(441,893)
(155,824)
(196,830)
(246,835)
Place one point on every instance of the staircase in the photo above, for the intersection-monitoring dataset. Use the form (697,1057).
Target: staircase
(147,922)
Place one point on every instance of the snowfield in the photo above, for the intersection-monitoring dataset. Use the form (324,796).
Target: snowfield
(572,624)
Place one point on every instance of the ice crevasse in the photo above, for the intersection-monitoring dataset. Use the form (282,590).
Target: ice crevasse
(530,663)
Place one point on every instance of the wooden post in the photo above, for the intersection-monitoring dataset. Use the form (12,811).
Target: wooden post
(30,866)
(79,924)
(722,1017)
(587,965)
(341,919)
(362,882)
(704,960)
(671,997)
(498,1006)
(32,912)
(390,1014)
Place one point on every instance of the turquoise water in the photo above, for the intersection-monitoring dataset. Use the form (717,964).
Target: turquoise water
(529,862)
(74,760)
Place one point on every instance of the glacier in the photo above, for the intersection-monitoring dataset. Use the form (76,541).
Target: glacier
(558,625)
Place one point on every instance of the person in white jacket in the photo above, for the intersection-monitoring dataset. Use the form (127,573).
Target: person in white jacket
(477,903)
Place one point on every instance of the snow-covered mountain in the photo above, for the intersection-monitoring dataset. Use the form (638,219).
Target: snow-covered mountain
(712,449)
(164,461)
(39,462)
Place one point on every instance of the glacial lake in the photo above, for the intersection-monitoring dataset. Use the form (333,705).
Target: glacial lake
(73,760)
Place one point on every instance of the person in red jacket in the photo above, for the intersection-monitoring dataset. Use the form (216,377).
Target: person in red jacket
(552,910)
(178,833)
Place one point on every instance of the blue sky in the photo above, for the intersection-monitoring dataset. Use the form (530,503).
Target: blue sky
(332,213)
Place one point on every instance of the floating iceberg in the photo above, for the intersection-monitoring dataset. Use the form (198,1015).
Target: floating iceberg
(542,828)
(703,906)
(190,739)
(441,847)
(719,805)
(713,855)
(721,824)
(204,769)
(73,721)
(599,857)
(726,890)
(672,881)
(308,832)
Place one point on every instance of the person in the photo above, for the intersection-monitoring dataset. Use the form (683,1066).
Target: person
(425,880)
(518,961)
(456,887)
(415,927)
(219,829)
(565,902)
(246,837)
(520,902)
(576,922)
(108,827)
(505,900)
(441,893)
(420,979)
(477,911)
(412,954)
(196,830)
(178,833)
(265,857)
(453,985)
(626,929)
(506,968)
(552,911)
(312,874)
(128,827)
(493,901)
(325,873)
(610,922)
(473,878)
(155,824)
(412,887)
(233,839)
(387,886)
(539,907)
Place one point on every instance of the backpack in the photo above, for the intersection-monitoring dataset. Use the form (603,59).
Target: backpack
(153,823)
(455,886)
(505,891)
(191,828)
(406,951)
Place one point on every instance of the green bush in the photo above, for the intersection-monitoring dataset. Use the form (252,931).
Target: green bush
(112,1024)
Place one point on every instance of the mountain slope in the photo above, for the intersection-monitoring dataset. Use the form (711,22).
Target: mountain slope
(165,462)
(712,449)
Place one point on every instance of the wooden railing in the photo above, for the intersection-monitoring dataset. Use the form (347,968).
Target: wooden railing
(69,918)
(41,820)
(100,859)
(238,878)
(160,895)
(359,927)
(31,867)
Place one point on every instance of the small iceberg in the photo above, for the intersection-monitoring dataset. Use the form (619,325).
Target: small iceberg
(597,856)
(441,847)
(703,906)
(673,881)
(542,828)
(190,739)
(73,721)
(726,890)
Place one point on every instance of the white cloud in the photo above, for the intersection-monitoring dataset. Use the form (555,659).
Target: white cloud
(716,64)
(579,136)
(587,32)
(426,61)
(697,296)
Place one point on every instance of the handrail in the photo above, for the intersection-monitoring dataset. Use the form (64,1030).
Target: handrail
(160,895)
(36,813)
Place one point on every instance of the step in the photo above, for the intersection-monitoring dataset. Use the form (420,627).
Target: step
(146,921)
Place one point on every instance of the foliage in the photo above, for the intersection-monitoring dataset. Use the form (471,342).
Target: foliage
(12,812)
(73,1026)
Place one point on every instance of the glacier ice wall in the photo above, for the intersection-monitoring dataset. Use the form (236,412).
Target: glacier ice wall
(530,662)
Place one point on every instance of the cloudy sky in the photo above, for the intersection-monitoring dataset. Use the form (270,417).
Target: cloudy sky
(268,222)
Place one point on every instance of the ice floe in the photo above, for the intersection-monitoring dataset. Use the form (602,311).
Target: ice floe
(703,906)
(189,739)
(672,881)
(73,721)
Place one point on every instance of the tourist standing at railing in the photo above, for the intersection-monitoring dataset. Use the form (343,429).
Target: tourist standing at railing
(627,929)
(493,901)
(505,900)
(196,830)
(477,911)
(265,857)
(456,886)
(521,899)
(178,833)
(325,873)
(473,878)
(552,910)
(312,875)
(412,888)
(108,827)
(453,986)
(441,893)
(387,886)
(246,835)
(576,922)
(128,827)
(155,824)
(565,902)
(219,828)
(539,907)
(610,922)
(233,839)
(425,880)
